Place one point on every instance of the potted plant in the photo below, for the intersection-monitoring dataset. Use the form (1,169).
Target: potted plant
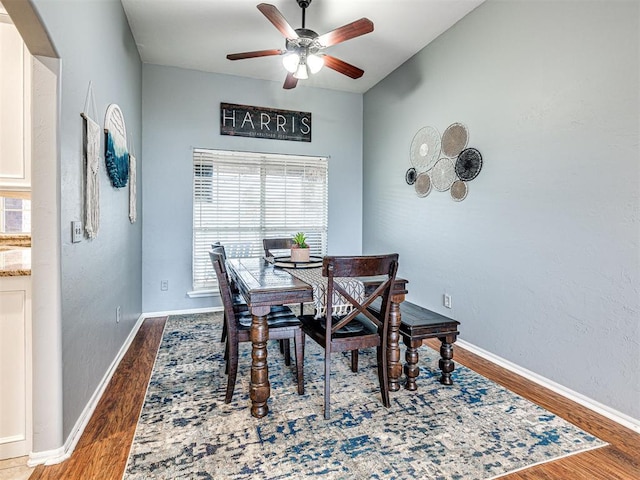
(299,248)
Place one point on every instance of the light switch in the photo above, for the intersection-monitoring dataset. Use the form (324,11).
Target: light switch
(76,232)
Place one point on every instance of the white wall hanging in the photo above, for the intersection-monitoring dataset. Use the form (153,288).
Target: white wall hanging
(91,167)
(425,149)
(133,213)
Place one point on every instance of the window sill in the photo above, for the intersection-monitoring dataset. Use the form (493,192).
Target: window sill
(203,293)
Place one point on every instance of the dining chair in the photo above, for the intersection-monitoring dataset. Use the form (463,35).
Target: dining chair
(238,302)
(362,326)
(239,305)
(282,323)
(269,244)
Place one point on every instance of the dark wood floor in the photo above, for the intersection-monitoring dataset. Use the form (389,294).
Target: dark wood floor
(101,453)
(103,449)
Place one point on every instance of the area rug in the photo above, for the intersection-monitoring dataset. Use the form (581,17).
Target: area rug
(474,429)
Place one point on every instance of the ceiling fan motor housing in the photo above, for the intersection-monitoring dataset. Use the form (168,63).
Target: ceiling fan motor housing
(306,41)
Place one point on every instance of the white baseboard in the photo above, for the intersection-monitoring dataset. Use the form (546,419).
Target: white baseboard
(47,457)
(51,457)
(182,312)
(605,411)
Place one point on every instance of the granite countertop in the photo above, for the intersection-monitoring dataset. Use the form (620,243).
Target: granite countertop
(15,261)
(15,239)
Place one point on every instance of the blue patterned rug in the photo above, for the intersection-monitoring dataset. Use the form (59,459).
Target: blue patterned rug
(474,429)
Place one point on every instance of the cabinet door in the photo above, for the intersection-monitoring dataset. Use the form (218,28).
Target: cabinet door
(15,366)
(15,169)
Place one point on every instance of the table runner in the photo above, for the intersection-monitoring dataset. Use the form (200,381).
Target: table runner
(339,305)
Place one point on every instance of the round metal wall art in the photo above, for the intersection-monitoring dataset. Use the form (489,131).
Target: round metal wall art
(425,149)
(443,174)
(443,163)
(423,184)
(454,140)
(469,164)
(459,190)
(410,176)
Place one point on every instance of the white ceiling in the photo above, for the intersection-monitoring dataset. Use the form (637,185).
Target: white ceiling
(198,34)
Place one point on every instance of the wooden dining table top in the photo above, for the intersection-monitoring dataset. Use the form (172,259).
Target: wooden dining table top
(261,283)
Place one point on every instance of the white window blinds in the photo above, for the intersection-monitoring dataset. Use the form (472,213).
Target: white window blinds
(239,198)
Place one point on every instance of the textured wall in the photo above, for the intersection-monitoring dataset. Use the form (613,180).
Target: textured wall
(181,111)
(542,258)
(94,44)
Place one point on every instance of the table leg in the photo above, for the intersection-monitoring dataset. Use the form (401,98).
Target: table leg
(259,388)
(446,363)
(411,369)
(393,344)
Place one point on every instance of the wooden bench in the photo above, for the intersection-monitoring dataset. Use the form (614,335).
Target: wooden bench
(418,323)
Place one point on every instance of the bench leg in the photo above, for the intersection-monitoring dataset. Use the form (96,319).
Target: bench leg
(411,369)
(446,363)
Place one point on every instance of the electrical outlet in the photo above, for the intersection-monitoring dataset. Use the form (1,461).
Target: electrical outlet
(164,285)
(446,300)
(118,314)
(76,232)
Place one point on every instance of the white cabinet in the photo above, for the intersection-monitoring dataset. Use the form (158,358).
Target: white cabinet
(15,164)
(15,366)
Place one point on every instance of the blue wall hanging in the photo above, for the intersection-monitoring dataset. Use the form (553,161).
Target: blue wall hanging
(116,154)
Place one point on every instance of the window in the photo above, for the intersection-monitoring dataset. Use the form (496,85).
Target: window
(15,215)
(239,198)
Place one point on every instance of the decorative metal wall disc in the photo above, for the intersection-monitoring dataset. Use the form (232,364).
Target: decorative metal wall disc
(410,176)
(425,149)
(423,184)
(459,190)
(469,164)
(443,174)
(454,140)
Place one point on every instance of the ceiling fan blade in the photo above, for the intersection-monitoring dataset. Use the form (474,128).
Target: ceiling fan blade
(257,53)
(346,32)
(290,82)
(278,20)
(343,67)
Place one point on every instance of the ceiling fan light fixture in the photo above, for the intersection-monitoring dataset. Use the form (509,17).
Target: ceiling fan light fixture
(291,61)
(315,63)
(302,72)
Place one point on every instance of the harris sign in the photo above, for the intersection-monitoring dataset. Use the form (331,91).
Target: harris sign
(261,122)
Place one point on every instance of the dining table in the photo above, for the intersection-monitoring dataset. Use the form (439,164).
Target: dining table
(263,285)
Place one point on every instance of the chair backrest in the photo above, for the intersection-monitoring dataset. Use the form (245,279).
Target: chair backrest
(217,247)
(224,287)
(361,266)
(275,244)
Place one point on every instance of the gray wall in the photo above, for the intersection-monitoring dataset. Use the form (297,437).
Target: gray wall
(181,111)
(94,44)
(542,258)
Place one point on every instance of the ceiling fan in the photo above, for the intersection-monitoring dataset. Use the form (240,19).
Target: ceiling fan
(304,48)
